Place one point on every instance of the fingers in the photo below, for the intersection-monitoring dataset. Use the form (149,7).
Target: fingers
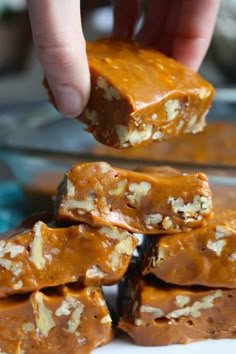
(194,31)
(59,42)
(126,14)
(181,29)
(155,17)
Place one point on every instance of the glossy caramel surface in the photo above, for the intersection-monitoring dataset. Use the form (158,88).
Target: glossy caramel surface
(100,195)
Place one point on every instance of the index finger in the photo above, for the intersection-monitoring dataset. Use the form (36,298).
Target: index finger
(60,45)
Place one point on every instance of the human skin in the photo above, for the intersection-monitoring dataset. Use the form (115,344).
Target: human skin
(181,29)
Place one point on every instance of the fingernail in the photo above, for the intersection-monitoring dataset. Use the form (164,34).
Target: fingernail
(69,101)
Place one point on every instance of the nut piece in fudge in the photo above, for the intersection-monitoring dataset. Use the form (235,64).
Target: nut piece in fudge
(64,320)
(100,195)
(204,256)
(138,95)
(155,313)
(44,257)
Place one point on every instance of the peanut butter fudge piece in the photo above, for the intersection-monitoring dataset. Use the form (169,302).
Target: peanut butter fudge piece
(139,95)
(204,256)
(44,257)
(100,195)
(64,320)
(155,313)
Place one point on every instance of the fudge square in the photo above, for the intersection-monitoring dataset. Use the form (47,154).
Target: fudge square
(154,313)
(63,320)
(139,95)
(100,195)
(44,256)
(204,256)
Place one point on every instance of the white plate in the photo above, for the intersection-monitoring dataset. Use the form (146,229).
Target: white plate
(125,345)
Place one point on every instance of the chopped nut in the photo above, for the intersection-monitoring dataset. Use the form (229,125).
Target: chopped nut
(171,108)
(182,300)
(106,319)
(18,285)
(104,167)
(167,223)
(179,126)
(216,246)
(200,204)
(95,272)
(6,263)
(70,188)
(223,231)
(153,219)
(158,134)
(160,257)
(156,312)
(125,246)
(92,116)
(113,233)
(87,204)
(191,124)
(119,189)
(75,318)
(66,306)
(135,137)
(203,93)
(194,310)
(43,316)
(232,257)
(109,92)
(138,322)
(201,123)
(14,250)
(138,190)
(36,250)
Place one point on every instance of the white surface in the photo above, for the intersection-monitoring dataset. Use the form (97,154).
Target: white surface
(124,346)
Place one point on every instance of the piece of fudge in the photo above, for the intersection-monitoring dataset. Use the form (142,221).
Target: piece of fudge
(45,256)
(154,313)
(100,195)
(139,95)
(204,256)
(63,320)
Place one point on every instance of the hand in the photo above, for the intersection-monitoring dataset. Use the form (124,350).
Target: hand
(60,45)
(181,29)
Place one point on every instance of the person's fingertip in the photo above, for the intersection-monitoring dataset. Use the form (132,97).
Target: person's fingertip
(69,101)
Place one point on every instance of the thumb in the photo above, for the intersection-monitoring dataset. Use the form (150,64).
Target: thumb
(60,45)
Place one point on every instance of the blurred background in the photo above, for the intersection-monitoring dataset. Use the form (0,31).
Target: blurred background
(28,121)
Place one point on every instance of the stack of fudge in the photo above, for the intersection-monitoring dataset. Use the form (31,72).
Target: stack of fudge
(51,274)
(148,201)
(182,287)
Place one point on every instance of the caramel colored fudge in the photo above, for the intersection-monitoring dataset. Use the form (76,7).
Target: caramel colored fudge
(64,320)
(44,257)
(100,195)
(204,256)
(138,95)
(154,313)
